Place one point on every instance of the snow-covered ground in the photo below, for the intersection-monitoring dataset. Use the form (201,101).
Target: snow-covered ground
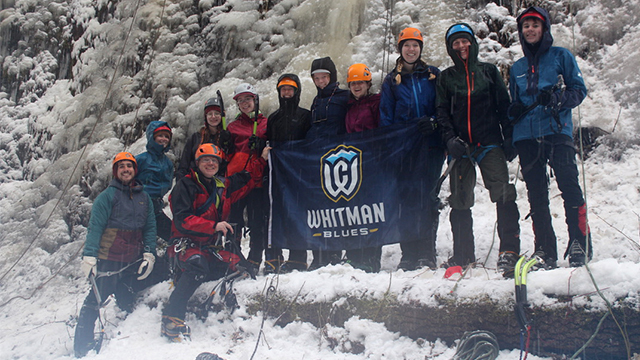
(51,129)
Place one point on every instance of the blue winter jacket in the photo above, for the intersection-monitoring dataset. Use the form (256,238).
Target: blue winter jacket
(122,224)
(538,70)
(155,170)
(413,98)
(328,111)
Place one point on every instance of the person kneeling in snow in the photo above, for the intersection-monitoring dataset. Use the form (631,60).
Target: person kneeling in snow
(119,250)
(201,202)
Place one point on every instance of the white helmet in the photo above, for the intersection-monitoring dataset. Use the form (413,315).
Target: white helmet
(244,88)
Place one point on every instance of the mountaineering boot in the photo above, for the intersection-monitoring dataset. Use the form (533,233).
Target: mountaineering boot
(175,329)
(579,249)
(545,262)
(463,242)
(545,237)
(507,263)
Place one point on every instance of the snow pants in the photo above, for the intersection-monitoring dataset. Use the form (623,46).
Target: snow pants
(559,153)
(196,270)
(495,175)
(123,285)
(424,245)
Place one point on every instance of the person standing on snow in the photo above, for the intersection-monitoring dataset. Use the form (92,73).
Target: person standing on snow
(409,96)
(472,105)
(212,132)
(545,85)
(155,172)
(249,133)
(328,112)
(119,250)
(363,114)
(290,122)
(201,203)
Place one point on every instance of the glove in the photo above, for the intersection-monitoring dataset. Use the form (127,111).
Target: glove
(256,143)
(510,151)
(516,110)
(427,125)
(457,147)
(148,259)
(225,141)
(88,265)
(549,98)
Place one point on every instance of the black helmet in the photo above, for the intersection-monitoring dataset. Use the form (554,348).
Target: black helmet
(212,102)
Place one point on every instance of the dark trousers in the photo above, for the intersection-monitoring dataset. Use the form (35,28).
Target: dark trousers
(423,246)
(559,153)
(163,223)
(196,270)
(123,285)
(256,207)
(495,175)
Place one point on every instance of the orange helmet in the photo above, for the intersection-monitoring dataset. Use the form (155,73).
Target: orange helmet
(410,33)
(121,157)
(287,81)
(358,72)
(209,150)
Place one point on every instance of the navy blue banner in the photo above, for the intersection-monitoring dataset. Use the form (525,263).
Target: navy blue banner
(351,191)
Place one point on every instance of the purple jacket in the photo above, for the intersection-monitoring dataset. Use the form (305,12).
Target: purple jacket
(363,114)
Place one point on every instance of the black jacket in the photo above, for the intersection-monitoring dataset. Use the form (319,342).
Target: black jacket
(290,121)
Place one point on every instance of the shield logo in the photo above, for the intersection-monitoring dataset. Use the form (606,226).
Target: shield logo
(341,172)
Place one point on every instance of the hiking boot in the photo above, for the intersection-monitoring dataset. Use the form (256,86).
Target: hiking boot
(271,267)
(82,348)
(577,256)
(291,265)
(406,265)
(175,329)
(507,263)
(430,263)
(544,262)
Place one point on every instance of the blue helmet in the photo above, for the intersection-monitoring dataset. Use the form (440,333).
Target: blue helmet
(458,30)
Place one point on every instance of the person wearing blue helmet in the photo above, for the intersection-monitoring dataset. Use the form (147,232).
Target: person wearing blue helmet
(545,85)
(472,105)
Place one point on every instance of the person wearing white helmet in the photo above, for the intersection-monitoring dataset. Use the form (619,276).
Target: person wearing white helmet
(249,134)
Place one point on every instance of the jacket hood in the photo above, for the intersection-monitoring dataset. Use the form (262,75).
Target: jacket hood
(473,49)
(293,102)
(545,42)
(327,64)
(152,146)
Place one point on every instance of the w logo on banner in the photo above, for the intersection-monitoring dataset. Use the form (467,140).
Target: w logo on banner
(341,172)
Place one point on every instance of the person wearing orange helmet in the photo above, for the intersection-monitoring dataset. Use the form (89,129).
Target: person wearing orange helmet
(119,250)
(408,96)
(201,202)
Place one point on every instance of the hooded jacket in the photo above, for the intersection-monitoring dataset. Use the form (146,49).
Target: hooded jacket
(122,224)
(155,170)
(330,104)
(413,98)
(290,121)
(539,70)
(472,99)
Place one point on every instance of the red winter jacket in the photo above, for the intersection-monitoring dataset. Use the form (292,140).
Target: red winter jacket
(241,129)
(363,114)
(195,216)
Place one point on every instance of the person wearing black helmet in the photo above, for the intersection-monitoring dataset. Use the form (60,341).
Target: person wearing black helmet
(289,122)
(408,96)
(545,85)
(213,131)
(472,104)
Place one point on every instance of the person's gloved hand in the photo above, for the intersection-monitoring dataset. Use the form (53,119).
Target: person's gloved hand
(148,260)
(427,125)
(510,152)
(549,98)
(256,143)
(225,140)
(88,265)
(457,147)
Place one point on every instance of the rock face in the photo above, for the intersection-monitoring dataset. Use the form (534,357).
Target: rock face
(558,330)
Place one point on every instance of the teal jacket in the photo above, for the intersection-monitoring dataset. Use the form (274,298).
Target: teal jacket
(122,224)
(155,170)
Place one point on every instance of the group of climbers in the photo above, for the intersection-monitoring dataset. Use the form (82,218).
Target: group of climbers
(468,119)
